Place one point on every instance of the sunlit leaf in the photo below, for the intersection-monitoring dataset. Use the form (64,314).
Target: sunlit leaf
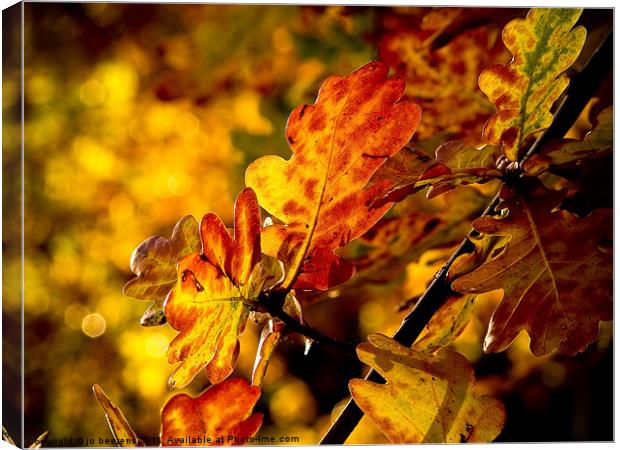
(597,144)
(543,45)
(446,324)
(154,262)
(209,304)
(556,273)
(273,330)
(338,143)
(427,398)
(221,415)
(269,340)
(124,435)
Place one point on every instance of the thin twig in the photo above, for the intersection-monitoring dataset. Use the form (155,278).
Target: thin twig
(274,302)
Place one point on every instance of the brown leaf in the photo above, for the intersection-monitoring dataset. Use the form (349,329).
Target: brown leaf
(557,280)
(597,144)
(458,163)
(154,262)
(401,171)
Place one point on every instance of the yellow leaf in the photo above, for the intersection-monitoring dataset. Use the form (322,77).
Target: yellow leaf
(543,45)
(427,398)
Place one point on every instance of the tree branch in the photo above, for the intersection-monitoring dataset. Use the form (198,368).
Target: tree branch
(582,88)
(274,302)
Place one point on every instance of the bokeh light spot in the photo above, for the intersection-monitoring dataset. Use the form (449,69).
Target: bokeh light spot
(93,325)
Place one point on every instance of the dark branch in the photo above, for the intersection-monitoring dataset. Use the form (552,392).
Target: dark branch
(581,89)
(274,302)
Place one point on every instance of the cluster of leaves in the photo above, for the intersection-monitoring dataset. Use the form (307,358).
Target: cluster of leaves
(350,163)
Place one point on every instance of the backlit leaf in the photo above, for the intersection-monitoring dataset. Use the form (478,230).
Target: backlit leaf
(338,143)
(402,170)
(555,273)
(124,435)
(221,415)
(427,398)
(209,304)
(269,340)
(597,144)
(446,324)
(458,163)
(154,262)
(543,45)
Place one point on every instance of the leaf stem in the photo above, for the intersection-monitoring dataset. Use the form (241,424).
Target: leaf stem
(273,302)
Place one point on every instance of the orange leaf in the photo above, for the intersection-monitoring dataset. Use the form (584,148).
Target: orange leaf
(338,144)
(221,415)
(209,303)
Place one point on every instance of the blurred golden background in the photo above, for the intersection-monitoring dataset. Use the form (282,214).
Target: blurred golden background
(139,114)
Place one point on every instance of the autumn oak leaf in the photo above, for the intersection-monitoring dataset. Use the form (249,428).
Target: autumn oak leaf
(427,398)
(555,271)
(209,304)
(319,194)
(384,251)
(543,45)
(154,262)
(221,415)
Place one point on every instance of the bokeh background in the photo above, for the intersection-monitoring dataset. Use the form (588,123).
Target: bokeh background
(139,114)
